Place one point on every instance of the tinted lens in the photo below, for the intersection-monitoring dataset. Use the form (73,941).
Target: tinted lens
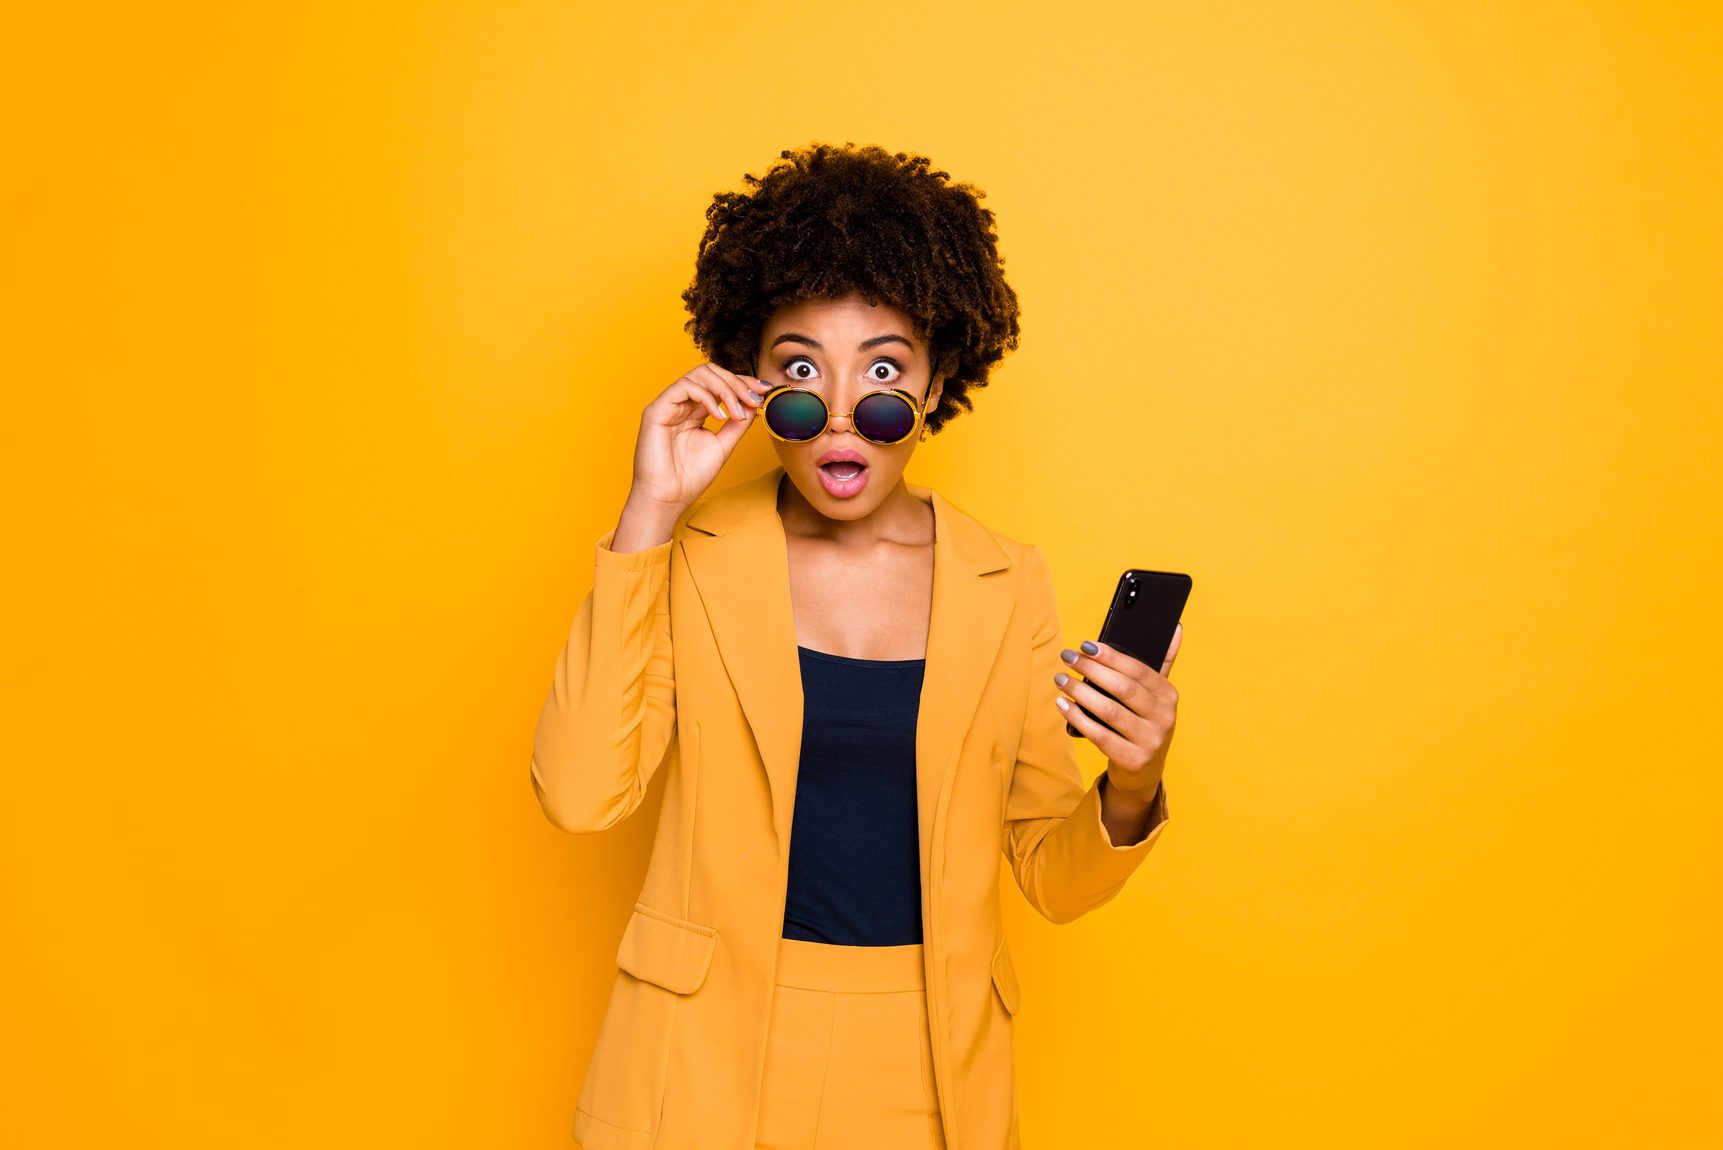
(884,417)
(796,414)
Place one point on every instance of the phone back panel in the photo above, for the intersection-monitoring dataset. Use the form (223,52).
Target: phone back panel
(1141,619)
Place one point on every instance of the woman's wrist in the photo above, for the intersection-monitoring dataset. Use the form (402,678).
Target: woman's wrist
(1123,813)
(644,523)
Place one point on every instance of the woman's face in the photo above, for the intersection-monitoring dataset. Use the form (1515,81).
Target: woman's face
(842,349)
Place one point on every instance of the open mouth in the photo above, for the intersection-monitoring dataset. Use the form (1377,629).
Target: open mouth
(843,478)
(843,469)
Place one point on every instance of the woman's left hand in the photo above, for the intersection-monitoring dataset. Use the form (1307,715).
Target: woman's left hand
(1136,725)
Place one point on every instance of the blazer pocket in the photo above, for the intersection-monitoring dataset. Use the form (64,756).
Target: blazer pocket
(1005,978)
(662,958)
(662,948)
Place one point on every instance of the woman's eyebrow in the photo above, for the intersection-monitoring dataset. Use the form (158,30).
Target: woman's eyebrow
(791,336)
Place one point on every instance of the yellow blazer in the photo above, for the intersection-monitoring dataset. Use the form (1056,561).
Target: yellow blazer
(680,1054)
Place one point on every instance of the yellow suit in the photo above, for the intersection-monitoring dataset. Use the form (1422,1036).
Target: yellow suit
(680,1054)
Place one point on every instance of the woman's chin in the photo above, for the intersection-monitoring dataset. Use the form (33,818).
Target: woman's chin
(834,499)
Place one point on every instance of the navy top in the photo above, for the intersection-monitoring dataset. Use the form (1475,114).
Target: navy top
(855,848)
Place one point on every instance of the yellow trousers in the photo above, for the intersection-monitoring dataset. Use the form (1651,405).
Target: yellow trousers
(848,1058)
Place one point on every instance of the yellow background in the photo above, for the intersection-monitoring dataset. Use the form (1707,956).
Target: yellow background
(1396,325)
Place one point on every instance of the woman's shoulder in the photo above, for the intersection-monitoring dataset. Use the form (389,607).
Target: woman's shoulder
(1019,551)
(721,509)
(987,540)
(965,520)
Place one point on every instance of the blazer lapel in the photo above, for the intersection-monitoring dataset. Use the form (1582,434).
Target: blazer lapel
(739,560)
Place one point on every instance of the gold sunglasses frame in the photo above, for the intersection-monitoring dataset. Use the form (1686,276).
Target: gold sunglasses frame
(914,405)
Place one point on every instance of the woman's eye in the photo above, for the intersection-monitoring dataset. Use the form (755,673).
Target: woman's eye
(882,371)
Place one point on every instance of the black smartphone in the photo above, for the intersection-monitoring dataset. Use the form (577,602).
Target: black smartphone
(1141,620)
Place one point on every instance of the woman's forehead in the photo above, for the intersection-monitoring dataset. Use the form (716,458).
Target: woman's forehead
(838,324)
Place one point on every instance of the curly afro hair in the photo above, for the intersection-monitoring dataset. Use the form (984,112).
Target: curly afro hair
(825,221)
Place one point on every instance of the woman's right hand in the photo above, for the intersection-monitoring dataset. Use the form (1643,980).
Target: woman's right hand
(675,457)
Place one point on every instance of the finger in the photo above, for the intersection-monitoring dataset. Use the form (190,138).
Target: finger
(1109,741)
(721,392)
(1129,680)
(723,399)
(732,430)
(732,384)
(1110,711)
(723,385)
(1173,651)
(757,387)
(748,383)
(692,392)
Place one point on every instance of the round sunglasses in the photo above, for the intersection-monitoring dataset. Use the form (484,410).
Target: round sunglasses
(796,414)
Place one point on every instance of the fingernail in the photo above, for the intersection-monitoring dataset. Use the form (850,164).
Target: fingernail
(1089,648)
(1069,656)
(1061,678)
(1063,705)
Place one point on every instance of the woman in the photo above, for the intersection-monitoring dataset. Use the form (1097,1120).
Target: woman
(830,656)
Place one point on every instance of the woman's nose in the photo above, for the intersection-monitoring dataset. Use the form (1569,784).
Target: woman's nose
(836,411)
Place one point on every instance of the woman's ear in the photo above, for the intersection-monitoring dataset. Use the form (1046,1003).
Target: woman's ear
(932,403)
(943,366)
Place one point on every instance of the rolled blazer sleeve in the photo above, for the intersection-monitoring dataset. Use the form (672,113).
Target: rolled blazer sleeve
(1059,850)
(610,717)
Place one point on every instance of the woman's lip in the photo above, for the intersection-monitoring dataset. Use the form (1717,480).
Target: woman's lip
(843,488)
